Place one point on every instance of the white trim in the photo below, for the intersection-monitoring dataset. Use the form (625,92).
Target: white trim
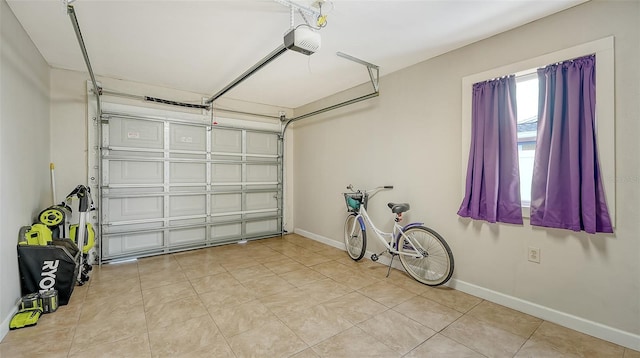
(321,239)
(5,323)
(595,329)
(605,105)
(190,117)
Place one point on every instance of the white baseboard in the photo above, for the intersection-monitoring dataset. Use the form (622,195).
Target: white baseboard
(4,329)
(614,335)
(322,239)
(564,319)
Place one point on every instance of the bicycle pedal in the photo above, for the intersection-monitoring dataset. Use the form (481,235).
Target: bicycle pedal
(374,257)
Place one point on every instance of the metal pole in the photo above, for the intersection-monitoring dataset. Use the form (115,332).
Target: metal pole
(247,113)
(96,90)
(76,28)
(270,57)
(330,108)
(282,201)
(370,68)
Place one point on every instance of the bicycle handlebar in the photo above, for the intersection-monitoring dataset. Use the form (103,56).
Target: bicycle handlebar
(371,192)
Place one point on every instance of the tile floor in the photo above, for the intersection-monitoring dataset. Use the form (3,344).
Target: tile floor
(284,297)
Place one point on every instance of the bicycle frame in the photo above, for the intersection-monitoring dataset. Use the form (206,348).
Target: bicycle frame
(362,217)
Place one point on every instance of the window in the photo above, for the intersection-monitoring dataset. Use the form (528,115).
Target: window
(604,50)
(527,105)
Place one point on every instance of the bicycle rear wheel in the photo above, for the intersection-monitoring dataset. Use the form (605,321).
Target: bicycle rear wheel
(430,260)
(355,239)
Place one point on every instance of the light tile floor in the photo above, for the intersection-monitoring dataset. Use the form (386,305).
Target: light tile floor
(284,297)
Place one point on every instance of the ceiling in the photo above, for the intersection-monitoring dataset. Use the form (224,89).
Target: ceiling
(201,46)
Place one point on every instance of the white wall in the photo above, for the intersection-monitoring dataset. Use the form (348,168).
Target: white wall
(410,137)
(24,149)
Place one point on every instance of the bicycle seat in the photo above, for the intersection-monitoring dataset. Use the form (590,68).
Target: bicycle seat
(398,208)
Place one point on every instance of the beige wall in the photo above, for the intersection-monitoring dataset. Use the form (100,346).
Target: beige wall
(24,149)
(410,137)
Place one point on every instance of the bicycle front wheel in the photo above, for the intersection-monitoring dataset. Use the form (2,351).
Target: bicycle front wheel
(426,256)
(355,239)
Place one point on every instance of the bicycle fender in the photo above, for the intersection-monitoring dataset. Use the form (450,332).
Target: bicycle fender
(361,221)
(407,227)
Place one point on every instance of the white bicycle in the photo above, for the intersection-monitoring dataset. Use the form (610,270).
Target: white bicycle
(424,254)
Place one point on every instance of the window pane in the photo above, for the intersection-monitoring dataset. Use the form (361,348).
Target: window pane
(527,98)
(526,153)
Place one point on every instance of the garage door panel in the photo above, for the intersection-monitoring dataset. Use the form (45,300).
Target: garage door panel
(184,137)
(226,140)
(222,203)
(136,133)
(226,231)
(262,143)
(262,226)
(141,241)
(258,201)
(262,173)
(188,172)
(168,185)
(122,244)
(126,209)
(187,205)
(226,173)
(135,172)
(187,236)
(112,245)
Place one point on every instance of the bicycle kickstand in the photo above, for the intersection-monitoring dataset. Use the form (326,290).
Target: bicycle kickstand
(393,256)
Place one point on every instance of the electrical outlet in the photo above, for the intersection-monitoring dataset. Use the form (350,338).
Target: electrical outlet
(534,254)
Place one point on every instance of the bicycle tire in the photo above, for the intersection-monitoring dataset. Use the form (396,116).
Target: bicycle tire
(436,267)
(355,244)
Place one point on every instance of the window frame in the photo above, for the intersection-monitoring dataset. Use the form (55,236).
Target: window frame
(605,107)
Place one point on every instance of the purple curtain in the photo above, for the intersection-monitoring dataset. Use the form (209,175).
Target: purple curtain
(567,190)
(492,191)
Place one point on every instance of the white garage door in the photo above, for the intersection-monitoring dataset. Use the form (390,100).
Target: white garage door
(170,185)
